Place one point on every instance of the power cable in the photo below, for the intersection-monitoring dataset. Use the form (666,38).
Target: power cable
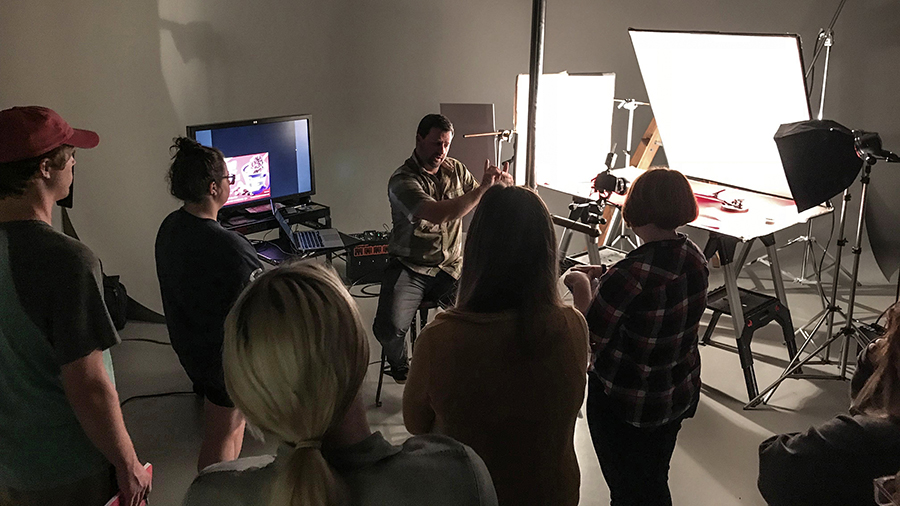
(147,340)
(153,396)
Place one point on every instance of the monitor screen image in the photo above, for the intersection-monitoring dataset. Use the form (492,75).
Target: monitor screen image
(271,158)
(251,178)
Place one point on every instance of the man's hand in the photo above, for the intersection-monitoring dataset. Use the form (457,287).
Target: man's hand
(134,484)
(491,174)
(505,177)
(495,175)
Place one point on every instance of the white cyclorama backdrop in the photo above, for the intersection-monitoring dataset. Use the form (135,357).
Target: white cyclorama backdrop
(718,100)
(574,129)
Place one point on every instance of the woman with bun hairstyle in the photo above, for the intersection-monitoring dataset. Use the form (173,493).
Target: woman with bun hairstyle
(296,353)
(202,268)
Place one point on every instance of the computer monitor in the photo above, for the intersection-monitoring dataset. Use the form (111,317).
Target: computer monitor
(271,158)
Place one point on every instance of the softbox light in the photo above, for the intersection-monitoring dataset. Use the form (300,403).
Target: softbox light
(819,159)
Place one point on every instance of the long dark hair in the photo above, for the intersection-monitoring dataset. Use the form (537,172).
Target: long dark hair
(510,259)
(881,393)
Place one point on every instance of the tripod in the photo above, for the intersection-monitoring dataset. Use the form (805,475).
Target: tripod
(585,216)
(849,330)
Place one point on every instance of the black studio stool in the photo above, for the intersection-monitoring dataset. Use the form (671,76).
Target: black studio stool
(420,319)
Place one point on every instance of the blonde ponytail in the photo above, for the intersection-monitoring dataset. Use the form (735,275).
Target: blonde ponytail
(295,355)
(317,485)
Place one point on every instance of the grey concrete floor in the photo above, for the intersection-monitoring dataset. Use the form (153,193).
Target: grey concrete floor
(715,461)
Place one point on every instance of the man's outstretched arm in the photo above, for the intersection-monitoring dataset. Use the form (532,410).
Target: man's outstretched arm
(440,211)
(96,405)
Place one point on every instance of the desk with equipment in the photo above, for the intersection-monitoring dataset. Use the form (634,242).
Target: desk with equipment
(319,239)
(272,165)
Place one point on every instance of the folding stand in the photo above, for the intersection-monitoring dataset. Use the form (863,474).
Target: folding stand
(754,309)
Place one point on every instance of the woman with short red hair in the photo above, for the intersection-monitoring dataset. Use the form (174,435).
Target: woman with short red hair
(644,314)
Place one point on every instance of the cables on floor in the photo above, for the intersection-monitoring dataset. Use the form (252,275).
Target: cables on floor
(153,396)
(363,291)
(146,340)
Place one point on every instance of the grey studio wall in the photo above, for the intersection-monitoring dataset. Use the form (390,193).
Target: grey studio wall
(138,72)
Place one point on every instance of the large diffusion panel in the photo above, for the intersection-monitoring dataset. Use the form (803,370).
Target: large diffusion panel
(718,100)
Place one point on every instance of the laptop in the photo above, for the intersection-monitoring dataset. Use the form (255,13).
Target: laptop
(309,240)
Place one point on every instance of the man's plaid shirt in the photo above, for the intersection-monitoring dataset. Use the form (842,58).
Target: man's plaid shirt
(645,322)
(425,247)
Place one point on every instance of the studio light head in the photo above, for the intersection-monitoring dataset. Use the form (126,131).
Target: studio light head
(819,159)
(869,144)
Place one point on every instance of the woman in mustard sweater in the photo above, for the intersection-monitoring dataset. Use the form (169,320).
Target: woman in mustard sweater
(504,371)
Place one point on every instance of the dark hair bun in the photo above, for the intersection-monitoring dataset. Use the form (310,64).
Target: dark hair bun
(186,146)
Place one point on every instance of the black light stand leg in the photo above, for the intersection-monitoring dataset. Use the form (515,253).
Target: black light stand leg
(849,329)
(793,366)
(832,307)
(381,367)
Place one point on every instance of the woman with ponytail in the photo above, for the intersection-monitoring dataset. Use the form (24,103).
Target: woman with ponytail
(504,370)
(296,353)
(202,268)
(836,462)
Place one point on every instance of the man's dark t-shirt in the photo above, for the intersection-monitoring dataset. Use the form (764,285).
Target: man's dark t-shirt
(202,269)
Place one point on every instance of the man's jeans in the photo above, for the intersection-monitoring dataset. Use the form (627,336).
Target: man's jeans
(402,290)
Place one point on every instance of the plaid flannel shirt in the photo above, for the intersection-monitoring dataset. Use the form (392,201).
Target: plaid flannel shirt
(645,322)
(426,247)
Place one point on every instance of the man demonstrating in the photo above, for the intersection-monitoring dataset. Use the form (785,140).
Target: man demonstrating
(61,427)
(429,195)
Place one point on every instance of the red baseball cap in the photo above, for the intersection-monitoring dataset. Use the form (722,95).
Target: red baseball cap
(31,131)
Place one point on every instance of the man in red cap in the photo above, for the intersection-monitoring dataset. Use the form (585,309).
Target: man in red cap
(61,427)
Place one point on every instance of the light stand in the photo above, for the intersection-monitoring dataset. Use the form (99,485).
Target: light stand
(824,42)
(499,136)
(629,104)
(868,147)
(849,330)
